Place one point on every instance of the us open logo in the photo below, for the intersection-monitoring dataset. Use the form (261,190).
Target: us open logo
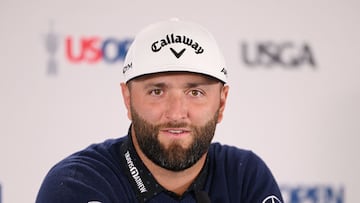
(313,193)
(90,49)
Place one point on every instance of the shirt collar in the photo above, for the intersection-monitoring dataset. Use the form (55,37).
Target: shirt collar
(142,181)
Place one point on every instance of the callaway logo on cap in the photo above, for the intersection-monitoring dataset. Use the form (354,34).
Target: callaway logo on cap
(174,45)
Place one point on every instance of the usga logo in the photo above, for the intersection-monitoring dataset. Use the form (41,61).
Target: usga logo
(285,54)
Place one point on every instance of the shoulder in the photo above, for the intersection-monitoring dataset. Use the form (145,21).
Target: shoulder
(231,154)
(230,158)
(95,157)
(241,174)
(85,175)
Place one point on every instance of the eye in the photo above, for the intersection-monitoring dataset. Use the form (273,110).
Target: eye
(156,92)
(196,93)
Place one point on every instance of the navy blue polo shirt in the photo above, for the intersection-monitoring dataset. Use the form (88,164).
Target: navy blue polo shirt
(112,172)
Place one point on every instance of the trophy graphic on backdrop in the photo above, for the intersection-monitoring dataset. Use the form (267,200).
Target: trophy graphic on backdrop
(52,45)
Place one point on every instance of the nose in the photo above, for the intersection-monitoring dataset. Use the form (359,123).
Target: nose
(176,108)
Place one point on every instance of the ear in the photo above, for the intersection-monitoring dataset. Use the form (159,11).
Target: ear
(223,98)
(126,97)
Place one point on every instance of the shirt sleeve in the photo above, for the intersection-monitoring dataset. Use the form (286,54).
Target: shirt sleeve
(62,184)
(78,181)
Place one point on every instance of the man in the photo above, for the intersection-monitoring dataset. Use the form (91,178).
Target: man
(175,93)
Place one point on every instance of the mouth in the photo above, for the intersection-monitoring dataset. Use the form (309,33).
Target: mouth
(176,132)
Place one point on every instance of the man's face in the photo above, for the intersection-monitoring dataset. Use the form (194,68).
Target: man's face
(174,116)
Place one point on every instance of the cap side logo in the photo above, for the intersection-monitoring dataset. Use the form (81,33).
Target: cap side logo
(177,54)
(224,71)
(127,67)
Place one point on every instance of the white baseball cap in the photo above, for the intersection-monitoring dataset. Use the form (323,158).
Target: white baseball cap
(174,45)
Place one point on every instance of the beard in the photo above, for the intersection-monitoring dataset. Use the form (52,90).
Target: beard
(174,157)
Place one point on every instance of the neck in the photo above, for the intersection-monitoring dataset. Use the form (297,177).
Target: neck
(174,181)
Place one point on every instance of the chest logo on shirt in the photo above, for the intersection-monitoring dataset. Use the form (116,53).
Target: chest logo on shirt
(271,199)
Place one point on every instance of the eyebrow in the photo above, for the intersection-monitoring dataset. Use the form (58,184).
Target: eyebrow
(187,85)
(196,84)
(155,84)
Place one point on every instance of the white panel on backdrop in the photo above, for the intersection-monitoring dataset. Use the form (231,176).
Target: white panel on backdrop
(293,75)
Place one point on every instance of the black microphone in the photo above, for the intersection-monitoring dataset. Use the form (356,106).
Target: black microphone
(202,197)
